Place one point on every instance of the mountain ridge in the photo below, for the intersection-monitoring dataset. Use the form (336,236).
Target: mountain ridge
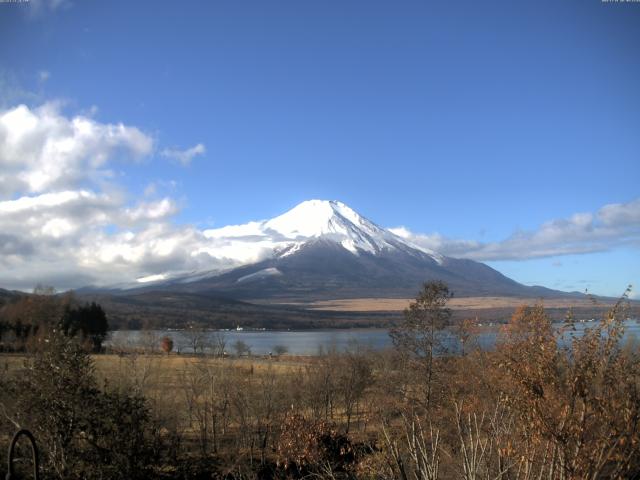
(323,249)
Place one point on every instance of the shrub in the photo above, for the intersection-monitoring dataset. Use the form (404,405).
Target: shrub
(578,406)
(308,448)
(166,344)
(82,431)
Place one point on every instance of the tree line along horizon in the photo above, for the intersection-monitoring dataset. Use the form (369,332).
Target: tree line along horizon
(26,317)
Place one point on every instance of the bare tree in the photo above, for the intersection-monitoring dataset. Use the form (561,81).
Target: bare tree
(354,375)
(466,332)
(149,340)
(418,334)
(241,348)
(321,385)
(422,459)
(217,343)
(195,337)
(280,350)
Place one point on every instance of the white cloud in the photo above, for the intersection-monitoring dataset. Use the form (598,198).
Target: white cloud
(611,226)
(151,210)
(63,219)
(617,214)
(184,157)
(42,150)
(76,238)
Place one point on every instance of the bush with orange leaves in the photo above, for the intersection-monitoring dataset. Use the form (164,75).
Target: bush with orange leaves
(307,447)
(576,398)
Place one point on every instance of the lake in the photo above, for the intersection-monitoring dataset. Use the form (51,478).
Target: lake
(311,342)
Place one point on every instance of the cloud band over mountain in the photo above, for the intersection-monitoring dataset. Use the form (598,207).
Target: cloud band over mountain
(612,226)
(67,220)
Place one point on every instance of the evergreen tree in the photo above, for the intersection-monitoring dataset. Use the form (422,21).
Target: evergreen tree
(89,320)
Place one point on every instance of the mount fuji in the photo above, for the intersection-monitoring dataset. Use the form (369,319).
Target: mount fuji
(325,250)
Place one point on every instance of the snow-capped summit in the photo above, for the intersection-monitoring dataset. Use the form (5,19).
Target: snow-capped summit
(314,218)
(308,221)
(335,221)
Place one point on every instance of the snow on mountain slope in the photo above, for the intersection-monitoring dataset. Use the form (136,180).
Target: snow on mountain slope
(324,249)
(312,219)
(332,220)
(267,272)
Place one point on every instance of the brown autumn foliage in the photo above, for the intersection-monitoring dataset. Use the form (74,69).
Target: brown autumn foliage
(577,405)
(307,447)
(544,404)
(166,344)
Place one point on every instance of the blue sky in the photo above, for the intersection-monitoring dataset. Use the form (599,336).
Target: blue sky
(482,128)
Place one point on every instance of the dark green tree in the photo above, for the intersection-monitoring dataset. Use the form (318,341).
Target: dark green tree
(89,321)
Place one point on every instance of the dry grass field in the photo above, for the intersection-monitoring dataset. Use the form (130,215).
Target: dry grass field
(178,363)
(160,374)
(466,303)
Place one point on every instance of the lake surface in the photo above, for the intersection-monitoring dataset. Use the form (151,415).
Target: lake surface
(312,342)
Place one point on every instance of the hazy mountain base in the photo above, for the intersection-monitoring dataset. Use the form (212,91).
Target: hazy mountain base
(159,309)
(177,310)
